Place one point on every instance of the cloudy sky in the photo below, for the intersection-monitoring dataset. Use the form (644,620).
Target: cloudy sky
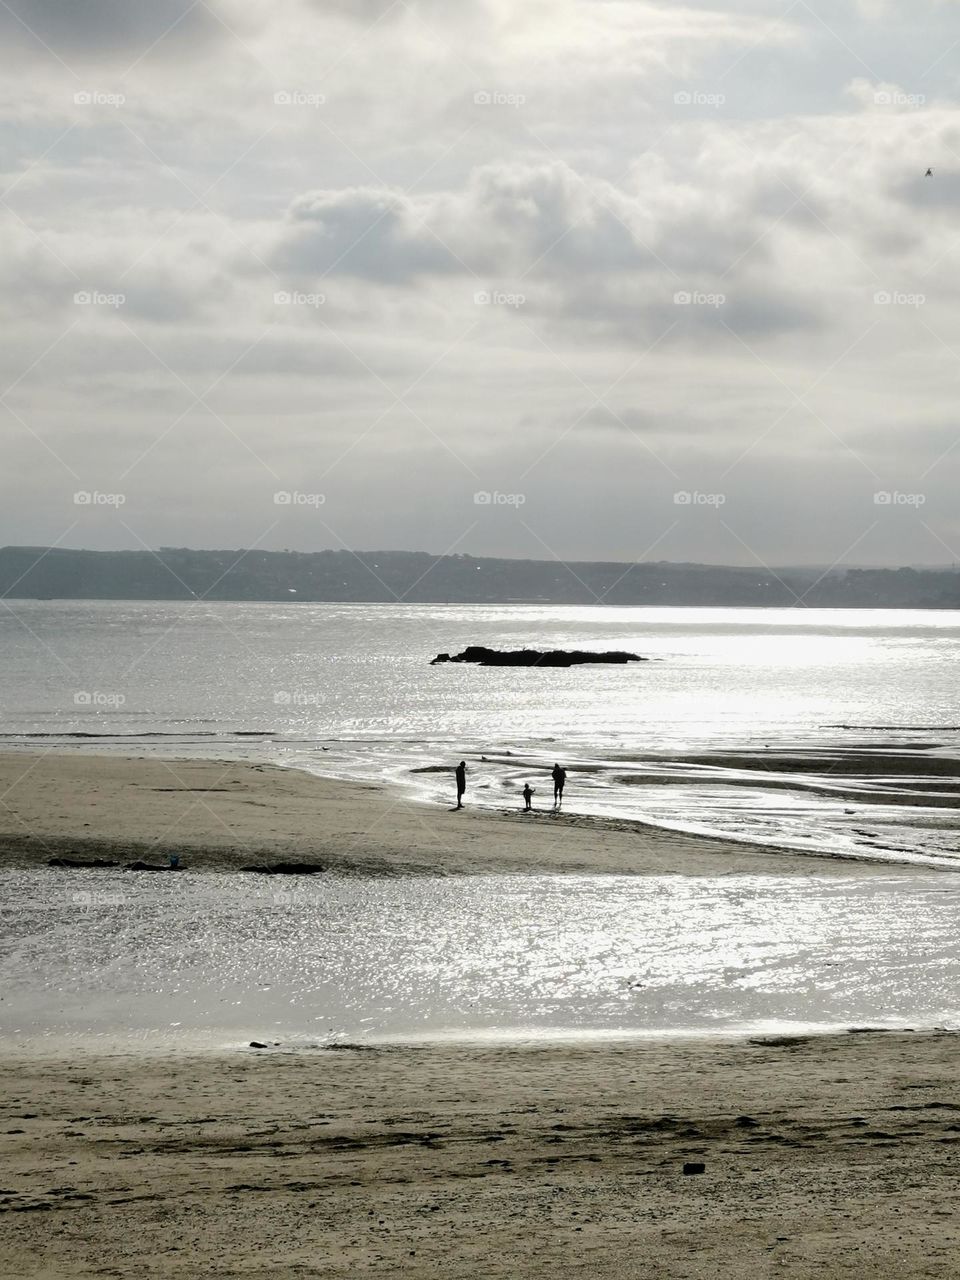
(657,280)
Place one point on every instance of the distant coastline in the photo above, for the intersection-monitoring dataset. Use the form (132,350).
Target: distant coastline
(413,577)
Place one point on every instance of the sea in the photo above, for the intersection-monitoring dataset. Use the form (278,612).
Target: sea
(820,731)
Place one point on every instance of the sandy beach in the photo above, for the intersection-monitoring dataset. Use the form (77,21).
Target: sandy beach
(225,816)
(824,1157)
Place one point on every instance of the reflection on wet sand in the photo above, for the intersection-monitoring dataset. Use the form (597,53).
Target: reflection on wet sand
(208,959)
(895,801)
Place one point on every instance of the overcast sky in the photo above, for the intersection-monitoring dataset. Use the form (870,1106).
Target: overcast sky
(661,281)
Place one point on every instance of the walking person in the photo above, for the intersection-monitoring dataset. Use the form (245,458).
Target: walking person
(559,778)
(461,772)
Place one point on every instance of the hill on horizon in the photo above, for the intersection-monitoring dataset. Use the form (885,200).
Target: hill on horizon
(417,577)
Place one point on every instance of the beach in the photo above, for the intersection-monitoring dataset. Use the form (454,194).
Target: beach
(824,1155)
(828,1157)
(226,815)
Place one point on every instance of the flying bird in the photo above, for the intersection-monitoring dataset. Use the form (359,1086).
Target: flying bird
(928,174)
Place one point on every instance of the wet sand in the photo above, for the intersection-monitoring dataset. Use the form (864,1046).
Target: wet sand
(226,816)
(863,775)
(824,1157)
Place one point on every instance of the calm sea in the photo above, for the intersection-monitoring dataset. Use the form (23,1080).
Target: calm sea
(812,729)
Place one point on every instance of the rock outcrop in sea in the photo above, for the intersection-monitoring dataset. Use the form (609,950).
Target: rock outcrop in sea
(534,657)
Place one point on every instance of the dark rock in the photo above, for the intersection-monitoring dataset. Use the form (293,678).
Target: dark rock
(149,866)
(287,869)
(257,1044)
(81,862)
(534,657)
(693,1166)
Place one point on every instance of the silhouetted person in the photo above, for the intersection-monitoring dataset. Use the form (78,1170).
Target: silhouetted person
(559,778)
(461,772)
(527,797)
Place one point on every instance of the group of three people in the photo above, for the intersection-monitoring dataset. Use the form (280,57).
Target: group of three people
(559,778)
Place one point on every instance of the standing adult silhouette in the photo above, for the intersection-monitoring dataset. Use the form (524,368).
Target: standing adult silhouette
(461,772)
(559,778)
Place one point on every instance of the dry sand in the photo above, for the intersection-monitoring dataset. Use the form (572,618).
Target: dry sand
(223,816)
(826,1157)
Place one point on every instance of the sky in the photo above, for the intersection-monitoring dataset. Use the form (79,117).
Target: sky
(572,279)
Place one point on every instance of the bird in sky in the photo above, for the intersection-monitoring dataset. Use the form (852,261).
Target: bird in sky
(928,174)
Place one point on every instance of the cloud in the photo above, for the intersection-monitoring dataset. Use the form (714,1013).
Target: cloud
(102,30)
(580,250)
(371,11)
(510,219)
(499,272)
(937,194)
(364,11)
(364,231)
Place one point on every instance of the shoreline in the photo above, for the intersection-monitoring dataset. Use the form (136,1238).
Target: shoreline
(98,1049)
(227,816)
(822,1157)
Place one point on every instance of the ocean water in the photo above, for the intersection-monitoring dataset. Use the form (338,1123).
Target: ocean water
(212,961)
(828,730)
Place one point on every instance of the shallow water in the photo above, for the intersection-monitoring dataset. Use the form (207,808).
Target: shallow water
(212,960)
(347,691)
